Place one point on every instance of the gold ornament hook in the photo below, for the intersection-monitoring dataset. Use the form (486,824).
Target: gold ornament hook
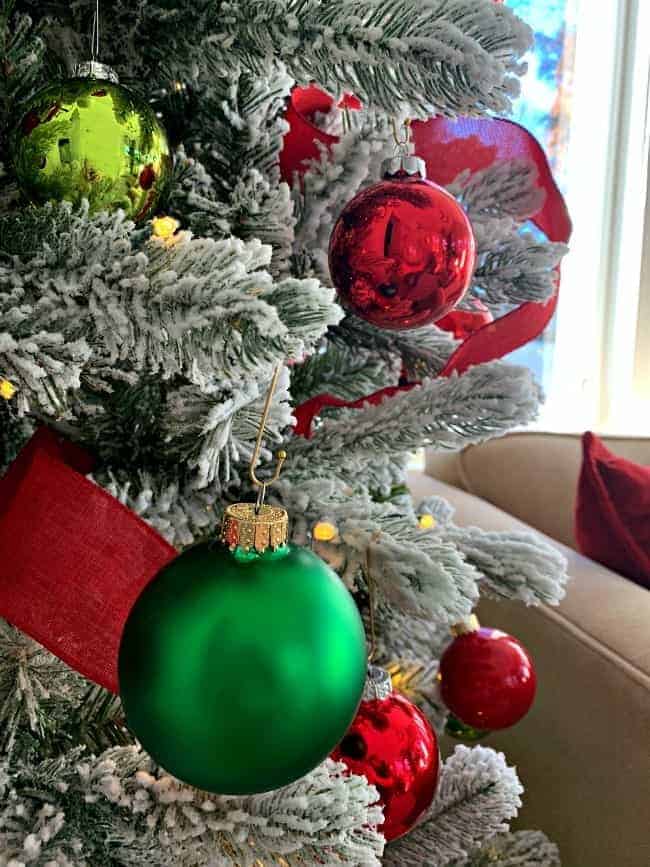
(372,597)
(281,455)
(402,140)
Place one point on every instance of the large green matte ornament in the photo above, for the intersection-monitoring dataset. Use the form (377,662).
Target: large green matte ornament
(240,671)
(86,138)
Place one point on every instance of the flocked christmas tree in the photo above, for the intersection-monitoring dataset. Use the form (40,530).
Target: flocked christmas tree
(151,344)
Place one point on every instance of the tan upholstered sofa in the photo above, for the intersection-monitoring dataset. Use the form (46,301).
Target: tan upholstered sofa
(583,752)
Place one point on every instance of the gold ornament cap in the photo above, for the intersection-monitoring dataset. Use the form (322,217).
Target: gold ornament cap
(244,526)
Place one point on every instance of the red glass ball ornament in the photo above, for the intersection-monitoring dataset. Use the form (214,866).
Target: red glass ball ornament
(487,679)
(391,743)
(402,253)
(462,323)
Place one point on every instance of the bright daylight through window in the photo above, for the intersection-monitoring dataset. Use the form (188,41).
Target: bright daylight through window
(585,98)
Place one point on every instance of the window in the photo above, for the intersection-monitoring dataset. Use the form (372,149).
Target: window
(586,100)
(544,108)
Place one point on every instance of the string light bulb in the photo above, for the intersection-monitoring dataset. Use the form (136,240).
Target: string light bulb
(165,228)
(325,531)
(427,522)
(7,389)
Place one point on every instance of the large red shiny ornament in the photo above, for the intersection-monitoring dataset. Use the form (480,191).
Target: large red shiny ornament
(402,253)
(487,679)
(392,744)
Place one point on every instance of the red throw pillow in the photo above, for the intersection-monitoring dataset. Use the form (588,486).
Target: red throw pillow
(613,511)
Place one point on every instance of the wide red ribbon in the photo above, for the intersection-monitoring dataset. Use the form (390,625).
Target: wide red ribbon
(450,147)
(74,559)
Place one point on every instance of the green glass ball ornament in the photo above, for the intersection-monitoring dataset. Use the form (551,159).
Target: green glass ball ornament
(240,670)
(89,138)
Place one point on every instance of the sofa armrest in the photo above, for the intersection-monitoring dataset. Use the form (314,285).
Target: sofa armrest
(583,752)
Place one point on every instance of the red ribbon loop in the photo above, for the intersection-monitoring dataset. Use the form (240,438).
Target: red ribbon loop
(74,559)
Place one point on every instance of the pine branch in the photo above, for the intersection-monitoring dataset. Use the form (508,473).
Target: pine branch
(231,182)
(31,679)
(457,57)
(347,372)
(513,267)
(519,849)
(21,57)
(116,809)
(508,188)
(414,572)
(477,795)
(514,565)
(424,351)
(448,413)
(182,310)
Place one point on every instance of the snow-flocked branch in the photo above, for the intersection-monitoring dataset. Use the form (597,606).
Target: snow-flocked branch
(447,413)
(478,794)
(517,849)
(444,56)
(57,812)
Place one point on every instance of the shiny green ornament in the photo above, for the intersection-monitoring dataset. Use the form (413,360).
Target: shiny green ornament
(89,138)
(240,670)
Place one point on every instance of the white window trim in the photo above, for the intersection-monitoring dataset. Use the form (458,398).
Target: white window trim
(602,350)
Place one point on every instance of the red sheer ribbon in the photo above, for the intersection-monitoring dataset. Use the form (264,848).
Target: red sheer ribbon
(74,559)
(450,147)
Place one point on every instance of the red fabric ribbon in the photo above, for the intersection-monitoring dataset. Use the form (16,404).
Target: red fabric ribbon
(450,147)
(307,411)
(300,146)
(74,559)
(461,323)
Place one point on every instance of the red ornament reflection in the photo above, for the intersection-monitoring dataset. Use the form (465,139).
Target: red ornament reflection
(402,253)
(392,744)
(487,679)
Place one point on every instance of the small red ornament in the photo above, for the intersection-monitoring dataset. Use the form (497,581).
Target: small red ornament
(462,323)
(487,678)
(402,252)
(392,744)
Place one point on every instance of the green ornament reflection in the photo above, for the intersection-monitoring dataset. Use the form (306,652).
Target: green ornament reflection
(240,672)
(457,729)
(89,139)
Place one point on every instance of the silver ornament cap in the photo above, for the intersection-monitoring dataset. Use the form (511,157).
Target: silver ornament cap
(404,165)
(97,70)
(378,684)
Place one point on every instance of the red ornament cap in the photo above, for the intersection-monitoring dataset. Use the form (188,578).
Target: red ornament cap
(392,744)
(487,679)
